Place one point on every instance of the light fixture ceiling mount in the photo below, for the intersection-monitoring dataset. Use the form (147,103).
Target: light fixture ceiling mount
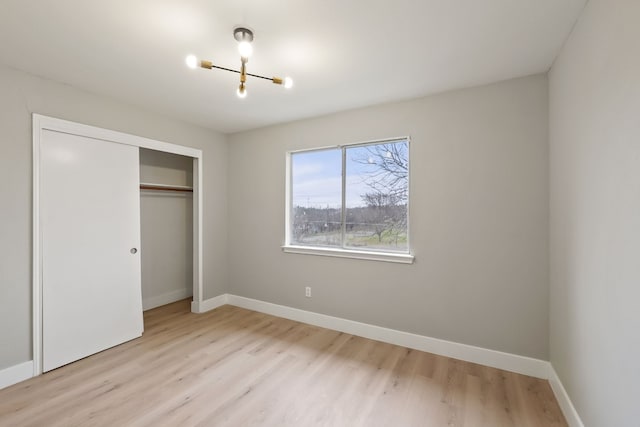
(242,34)
(244,37)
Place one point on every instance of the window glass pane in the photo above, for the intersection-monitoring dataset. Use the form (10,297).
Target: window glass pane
(377,191)
(316,198)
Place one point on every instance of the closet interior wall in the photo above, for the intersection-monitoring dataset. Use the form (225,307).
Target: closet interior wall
(166,227)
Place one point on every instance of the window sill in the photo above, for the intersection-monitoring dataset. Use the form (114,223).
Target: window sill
(351,253)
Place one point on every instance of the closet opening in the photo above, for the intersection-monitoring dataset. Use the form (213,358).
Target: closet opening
(166,227)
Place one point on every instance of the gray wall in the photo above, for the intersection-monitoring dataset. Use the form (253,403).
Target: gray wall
(166,228)
(595,214)
(23,94)
(479,219)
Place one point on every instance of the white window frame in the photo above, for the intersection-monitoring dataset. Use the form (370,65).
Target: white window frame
(342,252)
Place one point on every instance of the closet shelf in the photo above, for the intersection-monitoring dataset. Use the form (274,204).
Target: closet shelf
(164,187)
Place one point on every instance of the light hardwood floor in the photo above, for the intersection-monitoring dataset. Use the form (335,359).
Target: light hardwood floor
(234,367)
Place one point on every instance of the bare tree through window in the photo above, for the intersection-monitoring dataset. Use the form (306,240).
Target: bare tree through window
(384,170)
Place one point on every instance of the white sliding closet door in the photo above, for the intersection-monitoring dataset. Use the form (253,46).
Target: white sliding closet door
(90,234)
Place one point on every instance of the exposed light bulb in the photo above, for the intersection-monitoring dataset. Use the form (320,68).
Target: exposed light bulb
(242,91)
(192,61)
(288,82)
(245,49)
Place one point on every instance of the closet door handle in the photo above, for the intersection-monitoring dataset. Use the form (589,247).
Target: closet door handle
(133,250)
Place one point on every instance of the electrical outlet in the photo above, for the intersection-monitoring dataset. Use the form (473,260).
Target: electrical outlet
(307,292)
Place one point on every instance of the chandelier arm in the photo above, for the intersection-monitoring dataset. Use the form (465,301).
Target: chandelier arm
(226,69)
(260,77)
(238,72)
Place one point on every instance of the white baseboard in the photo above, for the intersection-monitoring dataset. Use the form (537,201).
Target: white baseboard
(497,359)
(569,411)
(15,374)
(209,304)
(169,297)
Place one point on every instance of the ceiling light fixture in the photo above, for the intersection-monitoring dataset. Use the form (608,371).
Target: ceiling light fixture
(244,37)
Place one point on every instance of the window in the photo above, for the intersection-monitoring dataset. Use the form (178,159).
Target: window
(350,199)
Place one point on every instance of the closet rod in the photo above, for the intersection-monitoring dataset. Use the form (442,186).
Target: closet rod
(161,187)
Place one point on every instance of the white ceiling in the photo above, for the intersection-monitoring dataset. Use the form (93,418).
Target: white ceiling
(342,54)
